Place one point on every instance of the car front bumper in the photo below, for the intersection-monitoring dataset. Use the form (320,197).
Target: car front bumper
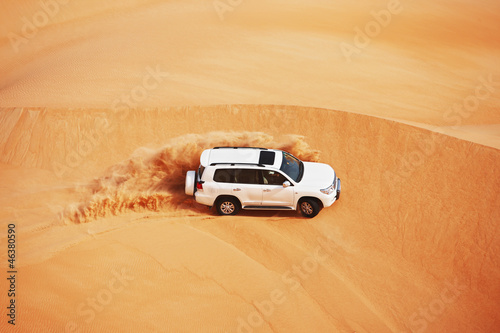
(329,199)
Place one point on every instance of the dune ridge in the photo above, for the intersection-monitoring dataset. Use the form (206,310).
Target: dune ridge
(78,58)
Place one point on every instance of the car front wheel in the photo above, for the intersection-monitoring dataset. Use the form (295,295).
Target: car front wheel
(309,208)
(228,206)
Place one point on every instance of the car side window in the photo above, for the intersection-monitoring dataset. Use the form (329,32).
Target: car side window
(240,176)
(224,176)
(271,177)
(246,176)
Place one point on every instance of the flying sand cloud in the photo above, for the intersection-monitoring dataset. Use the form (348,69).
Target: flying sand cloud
(152,179)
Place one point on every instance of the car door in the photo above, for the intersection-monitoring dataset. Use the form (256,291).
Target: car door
(247,187)
(273,192)
(241,183)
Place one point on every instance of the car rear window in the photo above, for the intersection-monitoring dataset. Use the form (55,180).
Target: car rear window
(200,170)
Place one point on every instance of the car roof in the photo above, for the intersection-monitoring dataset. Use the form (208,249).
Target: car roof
(242,155)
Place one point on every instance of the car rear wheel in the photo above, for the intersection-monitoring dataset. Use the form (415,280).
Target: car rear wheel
(309,207)
(227,206)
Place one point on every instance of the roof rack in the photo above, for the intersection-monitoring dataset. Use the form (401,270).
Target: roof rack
(233,164)
(240,147)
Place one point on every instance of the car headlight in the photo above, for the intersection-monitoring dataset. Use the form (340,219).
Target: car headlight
(329,190)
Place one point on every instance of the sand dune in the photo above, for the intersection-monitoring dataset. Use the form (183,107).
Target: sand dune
(105,105)
(401,239)
(423,59)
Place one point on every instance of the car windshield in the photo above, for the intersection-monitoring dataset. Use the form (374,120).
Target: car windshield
(292,166)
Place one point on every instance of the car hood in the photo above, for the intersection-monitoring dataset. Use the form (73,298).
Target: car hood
(318,175)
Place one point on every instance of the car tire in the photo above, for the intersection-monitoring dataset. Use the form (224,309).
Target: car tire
(309,208)
(227,206)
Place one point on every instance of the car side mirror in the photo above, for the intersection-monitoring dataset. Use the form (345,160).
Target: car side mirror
(286,184)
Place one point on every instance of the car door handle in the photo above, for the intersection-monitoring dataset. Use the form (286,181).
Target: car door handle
(267,190)
(236,189)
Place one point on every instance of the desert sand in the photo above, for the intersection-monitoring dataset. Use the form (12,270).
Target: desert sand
(105,106)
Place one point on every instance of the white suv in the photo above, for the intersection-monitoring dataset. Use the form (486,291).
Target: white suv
(234,178)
